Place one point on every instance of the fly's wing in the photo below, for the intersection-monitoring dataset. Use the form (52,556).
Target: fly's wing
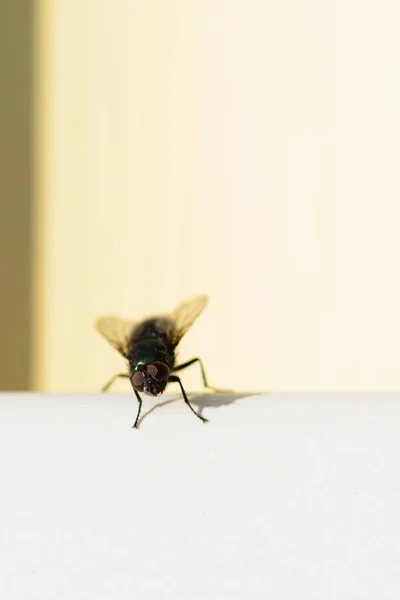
(117,331)
(182,318)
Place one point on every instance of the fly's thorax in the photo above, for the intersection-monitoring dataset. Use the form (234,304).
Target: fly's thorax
(151,350)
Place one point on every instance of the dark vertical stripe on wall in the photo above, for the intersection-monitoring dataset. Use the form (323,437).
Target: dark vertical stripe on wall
(16,193)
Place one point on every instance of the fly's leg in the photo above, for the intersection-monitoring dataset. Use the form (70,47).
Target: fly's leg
(139,409)
(109,383)
(175,378)
(191,362)
(203,373)
(126,376)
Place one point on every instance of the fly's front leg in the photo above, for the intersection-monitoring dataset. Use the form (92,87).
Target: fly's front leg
(175,378)
(139,409)
(125,376)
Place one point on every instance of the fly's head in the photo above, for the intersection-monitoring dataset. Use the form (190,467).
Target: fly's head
(151,378)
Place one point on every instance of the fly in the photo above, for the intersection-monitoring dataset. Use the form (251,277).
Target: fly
(149,346)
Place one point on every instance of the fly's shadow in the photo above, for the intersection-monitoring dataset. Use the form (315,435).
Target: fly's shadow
(202,401)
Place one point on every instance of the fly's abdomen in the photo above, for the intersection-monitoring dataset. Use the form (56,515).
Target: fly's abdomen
(150,329)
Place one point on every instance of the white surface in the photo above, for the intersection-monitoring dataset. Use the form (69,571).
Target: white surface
(279,496)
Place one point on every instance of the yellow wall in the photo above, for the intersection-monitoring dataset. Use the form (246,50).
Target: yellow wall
(243,148)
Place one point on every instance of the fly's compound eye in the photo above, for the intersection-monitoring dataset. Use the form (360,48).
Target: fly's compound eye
(137,381)
(158,371)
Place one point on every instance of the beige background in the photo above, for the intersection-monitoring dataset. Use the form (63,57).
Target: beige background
(16,194)
(247,149)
